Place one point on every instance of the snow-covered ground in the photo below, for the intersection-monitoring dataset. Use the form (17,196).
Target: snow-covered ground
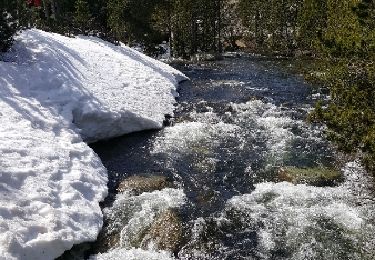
(56,93)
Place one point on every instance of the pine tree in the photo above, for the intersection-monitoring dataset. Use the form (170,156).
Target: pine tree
(9,22)
(116,17)
(82,15)
(6,32)
(365,11)
(312,20)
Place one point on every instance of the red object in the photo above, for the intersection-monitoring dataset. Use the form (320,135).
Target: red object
(35,3)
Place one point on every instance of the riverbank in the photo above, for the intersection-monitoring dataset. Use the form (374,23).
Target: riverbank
(57,94)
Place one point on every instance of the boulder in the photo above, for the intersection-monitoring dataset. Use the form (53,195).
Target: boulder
(165,232)
(140,184)
(318,176)
(137,185)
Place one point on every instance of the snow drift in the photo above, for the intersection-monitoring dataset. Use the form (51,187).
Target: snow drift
(56,93)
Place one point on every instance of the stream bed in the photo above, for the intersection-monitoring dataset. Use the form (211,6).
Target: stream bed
(217,192)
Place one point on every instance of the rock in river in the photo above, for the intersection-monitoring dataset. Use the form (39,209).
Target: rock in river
(140,184)
(165,232)
(318,176)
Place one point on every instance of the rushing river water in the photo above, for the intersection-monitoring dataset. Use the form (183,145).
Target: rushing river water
(236,123)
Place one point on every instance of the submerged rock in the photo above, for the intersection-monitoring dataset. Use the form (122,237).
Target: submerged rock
(140,184)
(318,176)
(205,238)
(165,232)
(168,121)
(106,241)
(131,204)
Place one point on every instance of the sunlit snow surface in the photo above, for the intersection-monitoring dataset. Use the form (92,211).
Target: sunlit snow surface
(55,93)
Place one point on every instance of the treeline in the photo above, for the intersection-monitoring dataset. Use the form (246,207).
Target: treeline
(318,27)
(189,25)
(334,28)
(341,33)
(273,25)
(344,39)
(324,27)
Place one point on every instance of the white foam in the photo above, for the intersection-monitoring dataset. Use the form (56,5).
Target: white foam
(183,137)
(309,222)
(133,254)
(133,215)
(269,122)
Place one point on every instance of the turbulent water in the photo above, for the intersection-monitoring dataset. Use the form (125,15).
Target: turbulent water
(237,122)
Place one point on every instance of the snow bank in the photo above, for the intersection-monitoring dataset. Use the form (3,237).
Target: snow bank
(56,93)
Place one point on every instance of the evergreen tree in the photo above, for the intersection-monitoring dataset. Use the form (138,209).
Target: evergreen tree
(347,42)
(10,11)
(116,17)
(82,15)
(343,34)
(312,20)
(6,31)
(365,11)
(99,13)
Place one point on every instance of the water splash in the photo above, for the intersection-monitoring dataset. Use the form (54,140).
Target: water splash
(305,222)
(131,216)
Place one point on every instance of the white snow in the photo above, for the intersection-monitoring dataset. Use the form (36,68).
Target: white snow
(55,94)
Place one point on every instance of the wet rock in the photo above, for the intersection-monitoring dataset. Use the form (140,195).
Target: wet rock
(168,121)
(205,238)
(78,252)
(129,223)
(318,176)
(205,198)
(230,109)
(106,241)
(140,184)
(165,232)
(206,164)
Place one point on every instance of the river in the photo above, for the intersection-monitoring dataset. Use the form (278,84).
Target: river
(237,122)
